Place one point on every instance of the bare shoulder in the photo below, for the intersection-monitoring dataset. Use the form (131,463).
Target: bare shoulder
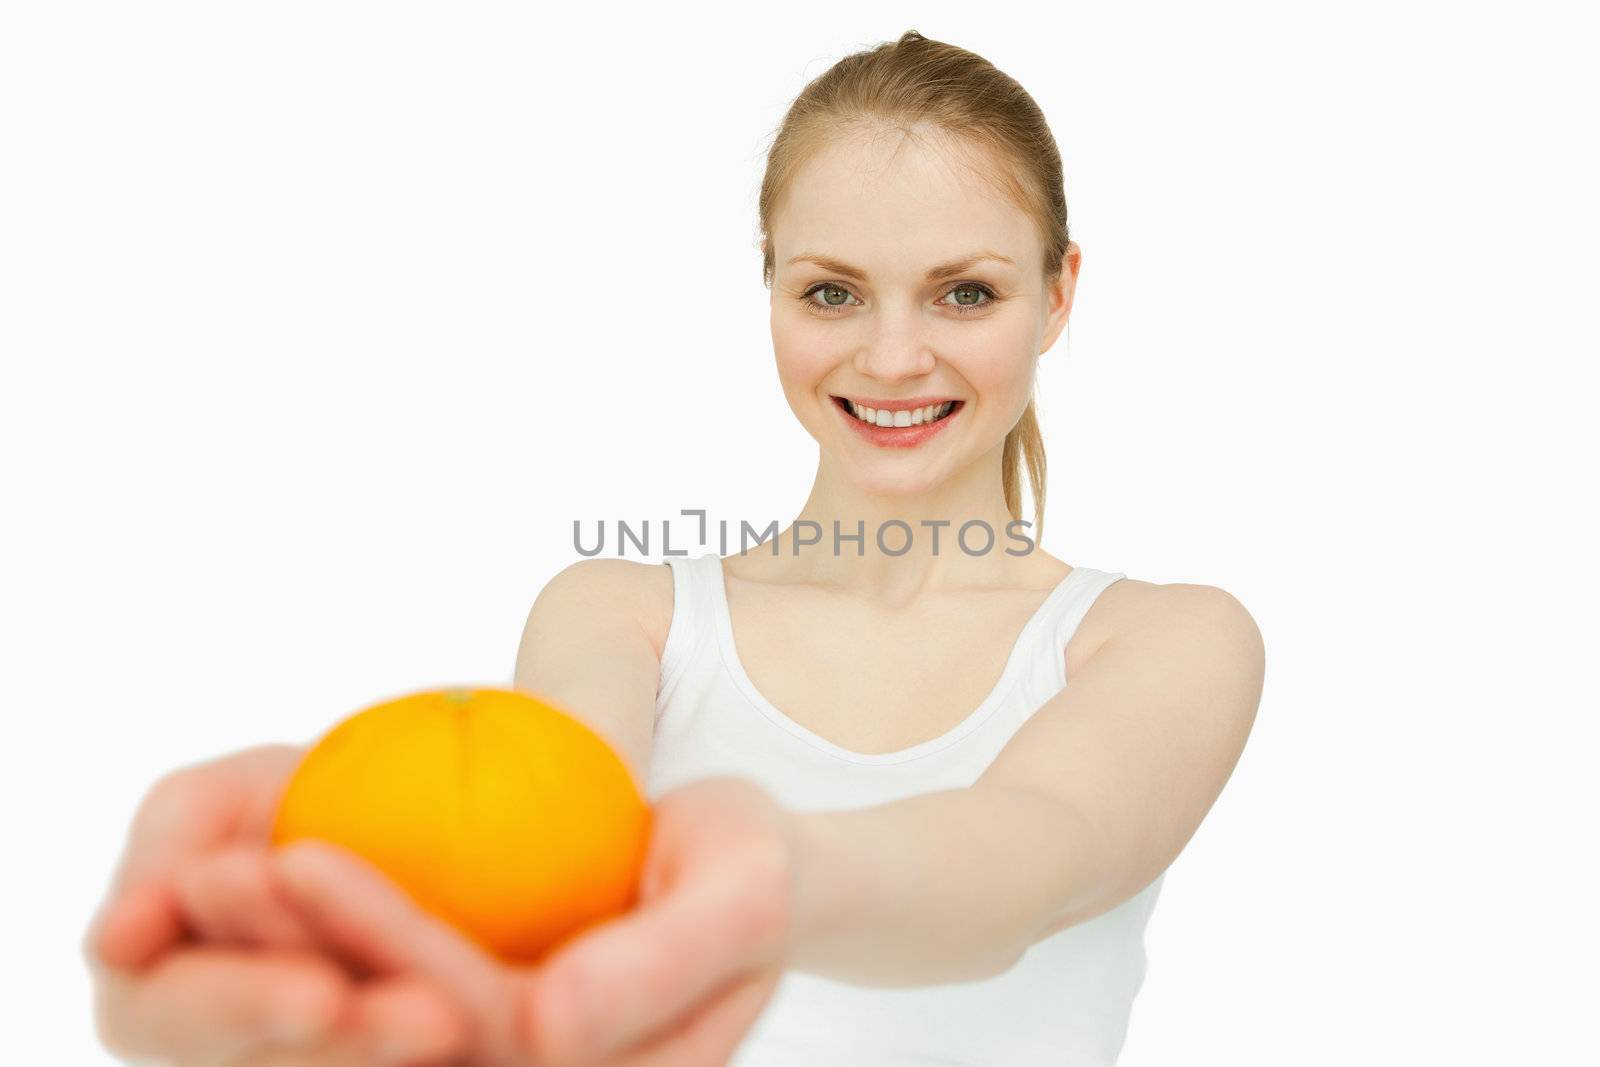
(588,647)
(644,590)
(1130,605)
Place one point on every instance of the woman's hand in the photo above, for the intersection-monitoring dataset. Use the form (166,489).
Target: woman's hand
(676,981)
(681,978)
(197,960)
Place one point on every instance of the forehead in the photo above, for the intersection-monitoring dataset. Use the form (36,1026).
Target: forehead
(895,205)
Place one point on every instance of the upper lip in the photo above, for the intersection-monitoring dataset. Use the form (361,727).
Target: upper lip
(908,404)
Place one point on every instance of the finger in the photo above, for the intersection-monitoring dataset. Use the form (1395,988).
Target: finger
(182,815)
(405,1020)
(230,897)
(227,897)
(133,929)
(396,1022)
(140,914)
(712,1033)
(359,913)
(634,974)
(208,1003)
(204,804)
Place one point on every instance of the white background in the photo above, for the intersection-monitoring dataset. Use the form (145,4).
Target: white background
(321,323)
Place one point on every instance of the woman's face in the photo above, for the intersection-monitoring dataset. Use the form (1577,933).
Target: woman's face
(871,324)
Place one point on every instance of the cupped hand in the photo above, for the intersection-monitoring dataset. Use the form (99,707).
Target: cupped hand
(197,958)
(676,981)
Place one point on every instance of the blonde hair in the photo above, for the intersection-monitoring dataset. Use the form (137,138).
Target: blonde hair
(917,82)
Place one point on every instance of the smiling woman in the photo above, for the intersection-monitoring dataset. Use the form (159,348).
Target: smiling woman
(973,854)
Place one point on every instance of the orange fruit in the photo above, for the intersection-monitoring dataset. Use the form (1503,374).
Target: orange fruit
(492,808)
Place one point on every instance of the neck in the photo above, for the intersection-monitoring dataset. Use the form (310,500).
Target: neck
(911,539)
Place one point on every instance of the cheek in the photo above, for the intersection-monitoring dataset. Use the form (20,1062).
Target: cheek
(804,357)
(1005,378)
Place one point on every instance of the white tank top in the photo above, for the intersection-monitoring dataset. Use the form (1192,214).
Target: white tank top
(1065,1003)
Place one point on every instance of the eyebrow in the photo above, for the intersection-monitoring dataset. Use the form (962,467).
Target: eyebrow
(943,270)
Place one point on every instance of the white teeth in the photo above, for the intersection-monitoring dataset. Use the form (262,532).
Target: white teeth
(912,417)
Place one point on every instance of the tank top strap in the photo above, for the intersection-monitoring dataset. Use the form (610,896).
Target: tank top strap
(693,613)
(1084,586)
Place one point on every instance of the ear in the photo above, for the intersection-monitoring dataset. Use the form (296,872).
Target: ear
(1058,305)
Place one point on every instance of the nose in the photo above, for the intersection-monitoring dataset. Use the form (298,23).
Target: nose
(896,351)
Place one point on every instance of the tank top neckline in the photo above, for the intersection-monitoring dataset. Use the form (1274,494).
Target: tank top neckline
(723,619)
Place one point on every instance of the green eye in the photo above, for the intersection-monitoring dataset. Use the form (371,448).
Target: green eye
(830,307)
(968,289)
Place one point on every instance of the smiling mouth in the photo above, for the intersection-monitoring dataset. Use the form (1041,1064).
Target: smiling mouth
(886,419)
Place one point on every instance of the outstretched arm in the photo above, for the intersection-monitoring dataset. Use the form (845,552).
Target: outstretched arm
(1091,799)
